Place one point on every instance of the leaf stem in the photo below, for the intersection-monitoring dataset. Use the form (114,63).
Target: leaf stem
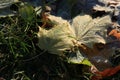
(35,56)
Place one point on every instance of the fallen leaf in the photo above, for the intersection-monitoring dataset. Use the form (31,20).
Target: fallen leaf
(89,31)
(105,73)
(56,39)
(61,40)
(92,34)
(84,30)
(5,8)
(115,33)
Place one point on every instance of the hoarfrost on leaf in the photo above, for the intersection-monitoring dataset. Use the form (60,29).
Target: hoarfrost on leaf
(63,36)
(57,39)
(89,31)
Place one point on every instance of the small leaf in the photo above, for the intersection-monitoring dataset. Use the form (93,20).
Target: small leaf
(86,62)
(27,12)
(115,34)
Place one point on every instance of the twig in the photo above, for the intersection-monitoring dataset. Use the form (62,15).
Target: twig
(35,56)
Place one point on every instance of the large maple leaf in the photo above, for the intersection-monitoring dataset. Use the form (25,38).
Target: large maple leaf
(64,37)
